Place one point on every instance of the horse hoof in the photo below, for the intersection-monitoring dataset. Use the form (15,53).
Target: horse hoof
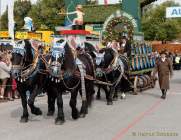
(24,119)
(109,103)
(36,111)
(115,98)
(50,113)
(98,97)
(82,115)
(59,121)
(75,116)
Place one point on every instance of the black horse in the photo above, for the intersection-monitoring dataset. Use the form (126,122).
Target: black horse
(105,71)
(25,65)
(65,74)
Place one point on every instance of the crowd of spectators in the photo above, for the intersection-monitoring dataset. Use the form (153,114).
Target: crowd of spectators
(174,57)
(8,87)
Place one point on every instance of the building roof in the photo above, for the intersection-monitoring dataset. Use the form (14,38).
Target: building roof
(98,13)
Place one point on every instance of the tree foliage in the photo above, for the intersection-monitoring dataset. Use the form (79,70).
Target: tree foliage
(155,25)
(4,21)
(44,14)
(21,9)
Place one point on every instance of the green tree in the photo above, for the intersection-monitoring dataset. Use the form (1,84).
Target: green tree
(21,9)
(45,13)
(4,21)
(156,27)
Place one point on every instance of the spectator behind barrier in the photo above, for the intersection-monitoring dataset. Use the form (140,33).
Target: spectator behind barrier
(5,67)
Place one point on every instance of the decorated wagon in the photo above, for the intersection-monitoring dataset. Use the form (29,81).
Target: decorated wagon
(141,59)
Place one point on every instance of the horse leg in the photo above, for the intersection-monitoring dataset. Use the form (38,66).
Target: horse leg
(60,116)
(51,103)
(115,94)
(24,117)
(84,107)
(72,103)
(110,98)
(34,110)
(108,95)
(98,96)
(90,92)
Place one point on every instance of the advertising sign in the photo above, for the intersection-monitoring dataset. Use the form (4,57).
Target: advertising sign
(173,12)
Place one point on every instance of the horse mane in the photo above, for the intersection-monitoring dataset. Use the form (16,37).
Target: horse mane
(108,57)
(90,49)
(28,54)
(69,60)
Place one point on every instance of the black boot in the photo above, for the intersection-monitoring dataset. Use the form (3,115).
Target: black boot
(164,92)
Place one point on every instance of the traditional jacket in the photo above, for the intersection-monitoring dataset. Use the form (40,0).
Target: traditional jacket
(164,70)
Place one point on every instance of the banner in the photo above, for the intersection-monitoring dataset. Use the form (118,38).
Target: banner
(173,12)
(4,34)
(28,35)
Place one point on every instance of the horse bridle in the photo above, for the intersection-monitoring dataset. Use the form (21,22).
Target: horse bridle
(28,70)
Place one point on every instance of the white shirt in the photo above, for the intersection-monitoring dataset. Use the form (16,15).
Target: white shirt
(163,59)
(4,70)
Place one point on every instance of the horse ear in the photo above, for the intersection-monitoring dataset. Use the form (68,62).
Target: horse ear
(95,53)
(103,54)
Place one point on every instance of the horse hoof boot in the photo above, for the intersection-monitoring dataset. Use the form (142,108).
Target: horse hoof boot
(98,97)
(50,113)
(59,121)
(36,111)
(75,115)
(24,119)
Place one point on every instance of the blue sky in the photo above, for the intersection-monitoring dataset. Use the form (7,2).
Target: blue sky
(3,3)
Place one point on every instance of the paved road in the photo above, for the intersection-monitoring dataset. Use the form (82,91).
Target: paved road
(141,117)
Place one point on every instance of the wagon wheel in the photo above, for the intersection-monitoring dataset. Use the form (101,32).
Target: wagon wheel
(153,82)
(136,81)
(148,79)
(143,82)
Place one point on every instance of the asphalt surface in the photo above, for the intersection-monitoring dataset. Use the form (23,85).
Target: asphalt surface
(139,117)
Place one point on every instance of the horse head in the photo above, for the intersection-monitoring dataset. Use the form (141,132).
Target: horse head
(104,57)
(18,56)
(57,54)
(99,58)
(22,57)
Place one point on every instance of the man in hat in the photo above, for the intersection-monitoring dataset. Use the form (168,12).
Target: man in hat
(164,68)
(125,46)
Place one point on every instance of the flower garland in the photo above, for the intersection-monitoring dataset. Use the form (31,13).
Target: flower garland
(116,28)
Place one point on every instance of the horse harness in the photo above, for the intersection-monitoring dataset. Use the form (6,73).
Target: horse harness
(29,70)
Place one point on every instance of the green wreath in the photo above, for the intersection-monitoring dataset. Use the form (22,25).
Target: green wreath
(116,28)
